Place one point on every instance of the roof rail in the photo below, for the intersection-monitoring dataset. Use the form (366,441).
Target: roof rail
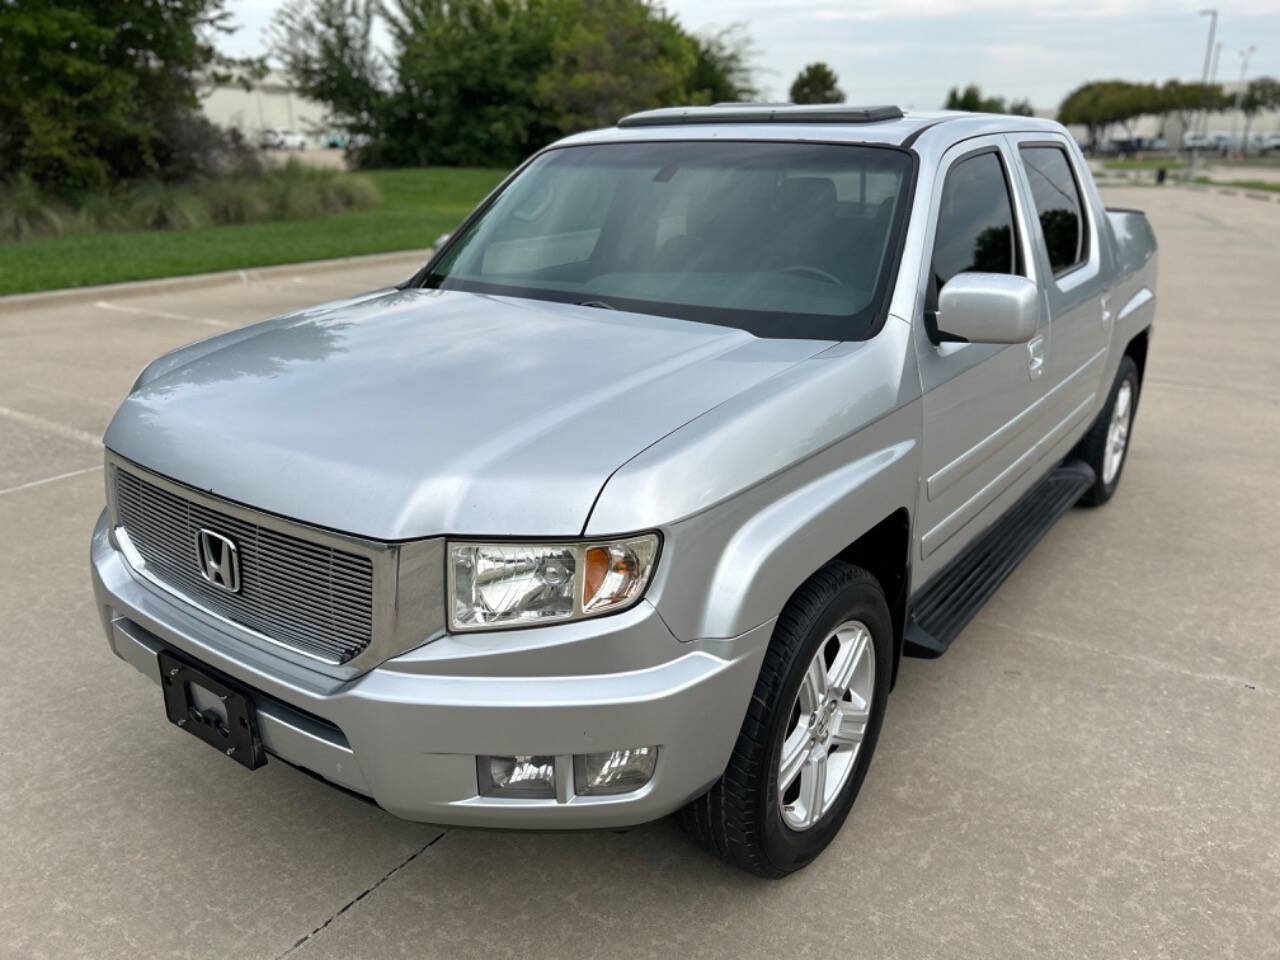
(760,113)
(753,103)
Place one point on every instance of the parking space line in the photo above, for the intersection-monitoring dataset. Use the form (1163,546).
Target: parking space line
(40,483)
(40,423)
(165,314)
(304,940)
(109,405)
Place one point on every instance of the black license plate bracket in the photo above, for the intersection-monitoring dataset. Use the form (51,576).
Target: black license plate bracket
(225,720)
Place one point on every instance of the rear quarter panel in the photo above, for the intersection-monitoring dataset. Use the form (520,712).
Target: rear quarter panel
(1132,296)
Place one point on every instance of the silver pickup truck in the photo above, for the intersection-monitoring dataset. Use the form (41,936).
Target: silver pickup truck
(631,500)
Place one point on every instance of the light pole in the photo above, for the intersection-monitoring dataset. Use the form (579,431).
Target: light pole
(1213,82)
(1212,14)
(1244,72)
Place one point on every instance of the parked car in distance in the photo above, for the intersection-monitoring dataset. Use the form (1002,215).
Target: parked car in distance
(1225,141)
(1196,141)
(282,139)
(1129,146)
(631,500)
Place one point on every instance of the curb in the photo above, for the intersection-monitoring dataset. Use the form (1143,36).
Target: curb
(140,288)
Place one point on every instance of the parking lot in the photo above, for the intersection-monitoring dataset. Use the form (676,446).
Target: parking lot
(1093,770)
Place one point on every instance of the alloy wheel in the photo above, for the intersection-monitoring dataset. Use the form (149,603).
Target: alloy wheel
(826,725)
(1118,432)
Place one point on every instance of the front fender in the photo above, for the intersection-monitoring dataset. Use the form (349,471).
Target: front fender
(735,566)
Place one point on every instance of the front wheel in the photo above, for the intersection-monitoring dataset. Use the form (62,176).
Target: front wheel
(810,729)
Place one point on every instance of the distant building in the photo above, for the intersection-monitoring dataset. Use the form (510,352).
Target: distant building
(271,103)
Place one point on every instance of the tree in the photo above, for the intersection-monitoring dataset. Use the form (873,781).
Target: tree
(96,91)
(1262,93)
(1185,100)
(490,81)
(1129,101)
(614,58)
(816,83)
(465,87)
(1083,107)
(326,48)
(972,100)
(1098,105)
(722,69)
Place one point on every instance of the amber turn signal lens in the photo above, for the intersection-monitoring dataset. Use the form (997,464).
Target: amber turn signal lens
(595,570)
(614,574)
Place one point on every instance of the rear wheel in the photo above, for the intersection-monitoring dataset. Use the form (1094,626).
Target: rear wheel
(1106,445)
(810,730)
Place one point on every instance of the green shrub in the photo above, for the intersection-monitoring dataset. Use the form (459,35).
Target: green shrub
(296,191)
(160,206)
(293,198)
(234,199)
(354,192)
(26,213)
(292,192)
(102,211)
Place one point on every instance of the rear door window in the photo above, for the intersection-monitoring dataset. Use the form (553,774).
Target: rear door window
(1056,195)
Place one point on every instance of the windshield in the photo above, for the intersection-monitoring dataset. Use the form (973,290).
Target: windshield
(779,239)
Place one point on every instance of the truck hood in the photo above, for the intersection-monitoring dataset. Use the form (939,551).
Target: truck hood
(418,412)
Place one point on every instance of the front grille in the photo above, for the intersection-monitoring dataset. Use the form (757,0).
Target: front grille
(309,596)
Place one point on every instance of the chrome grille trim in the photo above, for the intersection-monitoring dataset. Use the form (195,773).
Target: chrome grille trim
(408,578)
(315,594)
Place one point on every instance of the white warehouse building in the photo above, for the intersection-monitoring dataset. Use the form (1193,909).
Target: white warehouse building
(268,104)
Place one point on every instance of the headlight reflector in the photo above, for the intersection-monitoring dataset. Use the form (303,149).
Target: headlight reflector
(494,585)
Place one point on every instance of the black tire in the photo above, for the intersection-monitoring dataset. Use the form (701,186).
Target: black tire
(739,818)
(1092,447)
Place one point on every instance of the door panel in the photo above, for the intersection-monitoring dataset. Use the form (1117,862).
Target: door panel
(982,402)
(1071,263)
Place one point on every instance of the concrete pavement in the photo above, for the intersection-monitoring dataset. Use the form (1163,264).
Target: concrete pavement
(1092,771)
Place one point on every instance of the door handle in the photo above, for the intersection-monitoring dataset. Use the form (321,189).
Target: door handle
(1035,357)
(1106,313)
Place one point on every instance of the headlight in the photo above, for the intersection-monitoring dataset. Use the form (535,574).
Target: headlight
(494,585)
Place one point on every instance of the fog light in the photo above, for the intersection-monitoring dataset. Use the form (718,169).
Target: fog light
(529,777)
(618,771)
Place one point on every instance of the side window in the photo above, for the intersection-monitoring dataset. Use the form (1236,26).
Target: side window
(1057,198)
(975,223)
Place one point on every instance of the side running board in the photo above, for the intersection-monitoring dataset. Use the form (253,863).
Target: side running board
(946,605)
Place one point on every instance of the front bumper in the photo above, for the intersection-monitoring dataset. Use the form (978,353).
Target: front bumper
(407,732)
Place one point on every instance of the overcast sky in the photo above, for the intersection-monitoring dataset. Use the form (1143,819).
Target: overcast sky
(909,52)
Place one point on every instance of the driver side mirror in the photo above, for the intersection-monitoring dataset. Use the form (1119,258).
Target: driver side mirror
(988,308)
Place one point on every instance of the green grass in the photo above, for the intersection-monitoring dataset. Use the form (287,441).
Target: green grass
(1262,186)
(1143,164)
(1271,160)
(416,207)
